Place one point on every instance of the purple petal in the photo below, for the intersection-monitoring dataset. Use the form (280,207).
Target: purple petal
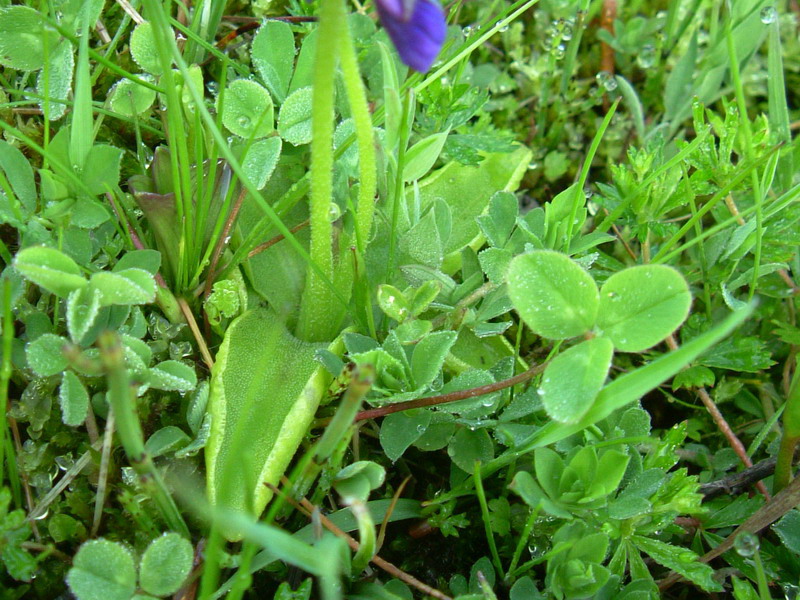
(396,8)
(418,38)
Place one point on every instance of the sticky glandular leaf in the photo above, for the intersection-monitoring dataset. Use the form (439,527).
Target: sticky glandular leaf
(56,80)
(144,50)
(45,354)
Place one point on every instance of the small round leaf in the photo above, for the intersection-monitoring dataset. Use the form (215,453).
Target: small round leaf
(144,50)
(642,305)
(294,120)
(51,269)
(125,287)
(467,446)
(128,98)
(555,297)
(165,565)
(45,355)
(247,110)
(573,379)
(261,160)
(22,38)
(74,400)
(172,375)
(102,570)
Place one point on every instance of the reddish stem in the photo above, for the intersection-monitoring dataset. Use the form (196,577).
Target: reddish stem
(481,390)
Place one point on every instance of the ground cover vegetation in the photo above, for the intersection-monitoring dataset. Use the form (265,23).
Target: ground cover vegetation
(283,317)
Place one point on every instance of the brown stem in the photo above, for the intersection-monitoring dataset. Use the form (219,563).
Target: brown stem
(481,390)
(269,243)
(198,336)
(305,507)
(733,440)
(135,240)
(222,242)
(723,425)
(385,523)
(91,425)
(737,483)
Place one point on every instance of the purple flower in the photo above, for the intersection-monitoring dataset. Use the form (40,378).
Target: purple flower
(417,28)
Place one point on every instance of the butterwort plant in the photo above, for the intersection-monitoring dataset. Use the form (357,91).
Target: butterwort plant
(417,29)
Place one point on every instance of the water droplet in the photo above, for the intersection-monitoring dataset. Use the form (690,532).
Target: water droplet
(559,51)
(567,32)
(647,56)
(769,15)
(606,81)
(746,544)
(243,121)
(791,592)
(334,212)
(501,27)
(212,87)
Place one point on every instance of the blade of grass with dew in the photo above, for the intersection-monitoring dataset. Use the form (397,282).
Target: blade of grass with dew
(81,135)
(580,196)
(178,143)
(778,111)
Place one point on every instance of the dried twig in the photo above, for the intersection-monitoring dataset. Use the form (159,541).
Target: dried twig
(102,477)
(198,336)
(783,502)
(737,483)
(723,425)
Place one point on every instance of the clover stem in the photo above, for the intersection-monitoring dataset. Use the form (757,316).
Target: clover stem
(315,312)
